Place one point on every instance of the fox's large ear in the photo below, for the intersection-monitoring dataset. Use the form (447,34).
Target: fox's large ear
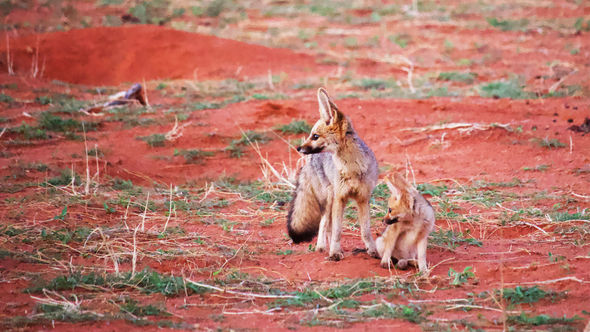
(327,113)
(395,193)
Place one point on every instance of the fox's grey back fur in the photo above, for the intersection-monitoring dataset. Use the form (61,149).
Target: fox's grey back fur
(317,180)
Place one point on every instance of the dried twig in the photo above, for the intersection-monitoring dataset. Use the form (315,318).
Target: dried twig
(169,211)
(143,216)
(176,131)
(556,85)
(247,295)
(9,60)
(461,126)
(552,281)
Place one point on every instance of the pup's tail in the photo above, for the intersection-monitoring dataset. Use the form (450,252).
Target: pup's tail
(305,213)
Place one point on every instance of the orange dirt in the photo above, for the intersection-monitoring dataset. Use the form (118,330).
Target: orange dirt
(110,56)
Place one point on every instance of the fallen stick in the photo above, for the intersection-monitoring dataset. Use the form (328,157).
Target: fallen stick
(249,295)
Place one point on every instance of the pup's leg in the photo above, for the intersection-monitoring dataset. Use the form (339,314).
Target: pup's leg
(421,253)
(325,223)
(337,211)
(365,221)
(390,237)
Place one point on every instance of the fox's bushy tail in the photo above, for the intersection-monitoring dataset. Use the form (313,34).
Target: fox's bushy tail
(305,213)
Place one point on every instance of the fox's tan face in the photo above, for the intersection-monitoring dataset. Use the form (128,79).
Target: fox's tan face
(328,131)
(399,204)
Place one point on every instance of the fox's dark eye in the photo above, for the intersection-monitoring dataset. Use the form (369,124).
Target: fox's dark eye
(314,137)
(389,210)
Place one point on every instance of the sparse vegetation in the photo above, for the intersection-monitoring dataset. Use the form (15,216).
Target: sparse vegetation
(509,25)
(467,78)
(236,147)
(373,83)
(525,319)
(451,239)
(147,281)
(504,89)
(154,140)
(4,98)
(565,216)
(193,156)
(459,278)
(295,127)
(550,144)
(520,295)
(538,168)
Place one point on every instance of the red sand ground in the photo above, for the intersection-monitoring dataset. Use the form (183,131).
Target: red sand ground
(511,255)
(139,53)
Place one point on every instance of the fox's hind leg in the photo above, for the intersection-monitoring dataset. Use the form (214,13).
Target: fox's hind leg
(365,221)
(325,224)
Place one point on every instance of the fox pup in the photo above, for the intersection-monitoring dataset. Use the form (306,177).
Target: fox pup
(339,167)
(410,218)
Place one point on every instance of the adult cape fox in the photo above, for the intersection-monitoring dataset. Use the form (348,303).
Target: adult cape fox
(410,218)
(339,167)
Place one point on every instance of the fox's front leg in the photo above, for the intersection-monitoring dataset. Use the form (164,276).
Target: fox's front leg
(325,223)
(365,221)
(421,251)
(386,259)
(390,238)
(337,211)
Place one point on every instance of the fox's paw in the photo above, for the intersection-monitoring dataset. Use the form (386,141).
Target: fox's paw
(385,263)
(373,253)
(320,249)
(336,256)
(402,264)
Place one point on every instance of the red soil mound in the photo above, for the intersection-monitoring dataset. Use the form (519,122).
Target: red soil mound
(109,56)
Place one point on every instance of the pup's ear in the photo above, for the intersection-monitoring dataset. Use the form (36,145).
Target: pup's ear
(327,109)
(395,193)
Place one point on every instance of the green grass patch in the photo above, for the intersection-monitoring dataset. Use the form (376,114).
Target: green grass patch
(467,78)
(375,84)
(550,144)
(538,168)
(30,132)
(154,140)
(410,313)
(509,25)
(525,319)
(4,98)
(295,127)
(63,103)
(193,156)
(566,216)
(520,295)
(452,239)
(64,178)
(147,281)
(255,190)
(580,26)
(64,313)
(402,40)
(432,190)
(134,307)
(459,278)
(236,147)
(504,89)
(64,235)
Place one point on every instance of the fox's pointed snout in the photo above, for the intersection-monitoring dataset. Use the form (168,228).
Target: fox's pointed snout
(306,149)
(390,221)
